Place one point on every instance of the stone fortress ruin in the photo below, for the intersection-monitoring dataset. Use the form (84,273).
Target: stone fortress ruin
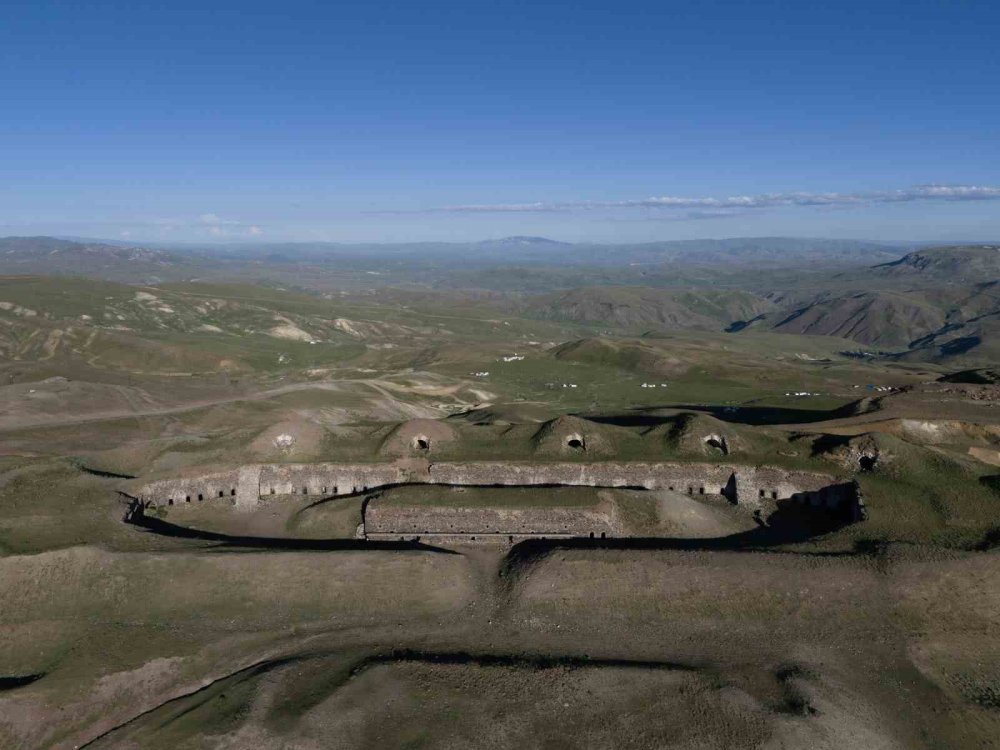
(408,461)
(750,488)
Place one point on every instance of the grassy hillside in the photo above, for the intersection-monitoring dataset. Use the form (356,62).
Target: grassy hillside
(925,322)
(639,307)
(933,305)
(973,341)
(949,265)
(884,320)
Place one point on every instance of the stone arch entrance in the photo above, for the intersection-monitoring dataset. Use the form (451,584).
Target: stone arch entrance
(717,442)
(729,491)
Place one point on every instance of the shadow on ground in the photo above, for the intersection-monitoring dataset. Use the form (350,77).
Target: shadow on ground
(748,415)
(789,524)
(12,683)
(136,516)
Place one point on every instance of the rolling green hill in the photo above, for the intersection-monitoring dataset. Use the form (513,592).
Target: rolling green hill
(932,305)
(897,321)
(886,320)
(97,260)
(640,307)
(951,265)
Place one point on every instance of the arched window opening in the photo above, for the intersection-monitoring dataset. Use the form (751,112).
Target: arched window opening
(867,463)
(717,442)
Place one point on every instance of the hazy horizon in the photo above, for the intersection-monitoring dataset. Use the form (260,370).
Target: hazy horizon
(264,242)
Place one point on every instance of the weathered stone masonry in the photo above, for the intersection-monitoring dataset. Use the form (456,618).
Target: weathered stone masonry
(391,522)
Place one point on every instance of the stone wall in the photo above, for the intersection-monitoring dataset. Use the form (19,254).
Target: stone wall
(503,541)
(332,479)
(222,486)
(427,520)
(747,486)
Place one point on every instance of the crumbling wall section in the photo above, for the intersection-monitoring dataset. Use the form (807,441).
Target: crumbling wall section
(330,479)
(248,487)
(221,486)
(845,498)
(763,484)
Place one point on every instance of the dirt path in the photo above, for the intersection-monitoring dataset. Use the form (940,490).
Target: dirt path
(9,424)
(377,386)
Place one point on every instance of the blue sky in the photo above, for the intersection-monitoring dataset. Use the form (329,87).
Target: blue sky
(465,120)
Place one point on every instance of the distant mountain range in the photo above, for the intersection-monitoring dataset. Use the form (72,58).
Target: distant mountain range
(926,300)
(959,264)
(523,242)
(535,250)
(929,305)
(48,256)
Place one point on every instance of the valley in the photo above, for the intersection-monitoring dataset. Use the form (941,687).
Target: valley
(247,512)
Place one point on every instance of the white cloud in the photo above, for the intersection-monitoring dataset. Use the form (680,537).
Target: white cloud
(219,227)
(214,220)
(705,205)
